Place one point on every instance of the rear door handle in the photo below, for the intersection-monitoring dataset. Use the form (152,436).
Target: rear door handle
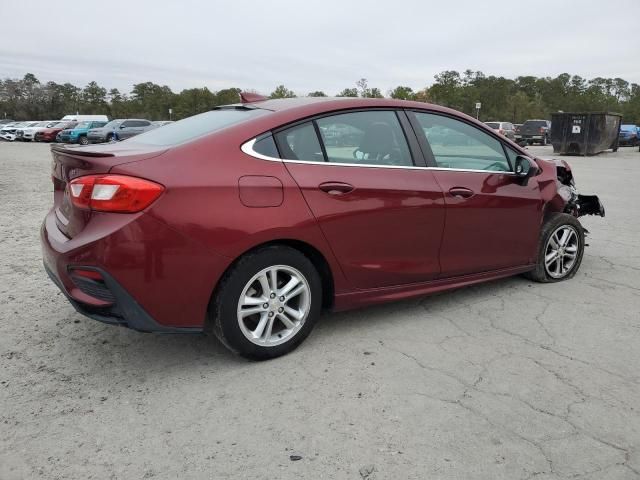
(461,192)
(336,188)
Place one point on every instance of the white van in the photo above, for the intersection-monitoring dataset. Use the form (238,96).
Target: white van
(85,118)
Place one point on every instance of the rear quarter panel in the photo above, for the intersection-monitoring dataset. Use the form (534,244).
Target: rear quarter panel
(202,199)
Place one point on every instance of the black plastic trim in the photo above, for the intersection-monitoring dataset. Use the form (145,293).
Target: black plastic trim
(125,312)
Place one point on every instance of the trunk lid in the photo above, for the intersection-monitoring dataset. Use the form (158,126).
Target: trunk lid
(70,162)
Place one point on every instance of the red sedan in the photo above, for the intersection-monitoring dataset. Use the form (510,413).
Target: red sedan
(50,134)
(248,220)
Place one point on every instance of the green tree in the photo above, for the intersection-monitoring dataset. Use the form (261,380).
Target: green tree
(348,92)
(282,92)
(317,93)
(402,93)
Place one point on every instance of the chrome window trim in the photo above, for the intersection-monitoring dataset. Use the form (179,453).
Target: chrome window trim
(247,148)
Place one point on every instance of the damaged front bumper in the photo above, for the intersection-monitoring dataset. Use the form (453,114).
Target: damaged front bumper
(576,204)
(589,205)
(579,205)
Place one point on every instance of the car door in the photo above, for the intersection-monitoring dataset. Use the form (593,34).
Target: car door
(492,219)
(382,216)
(126,129)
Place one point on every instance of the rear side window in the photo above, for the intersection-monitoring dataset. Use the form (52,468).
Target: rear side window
(458,145)
(494,125)
(266,146)
(139,123)
(196,126)
(373,137)
(300,143)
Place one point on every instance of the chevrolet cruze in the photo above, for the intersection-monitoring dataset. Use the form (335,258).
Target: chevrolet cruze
(248,220)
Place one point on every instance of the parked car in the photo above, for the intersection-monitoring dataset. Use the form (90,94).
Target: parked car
(5,121)
(9,132)
(27,134)
(119,130)
(535,131)
(242,221)
(85,118)
(78,134)
(503,128)
(516,131)
(629,135)
(49,134)
(160,123)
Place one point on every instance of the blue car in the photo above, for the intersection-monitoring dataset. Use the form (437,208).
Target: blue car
(629,135)
(78,134)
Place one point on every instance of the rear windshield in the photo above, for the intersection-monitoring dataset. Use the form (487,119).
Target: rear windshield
(494,125)
(196,126)
(535,123)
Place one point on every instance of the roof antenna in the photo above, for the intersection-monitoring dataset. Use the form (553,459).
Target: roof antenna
(248,97)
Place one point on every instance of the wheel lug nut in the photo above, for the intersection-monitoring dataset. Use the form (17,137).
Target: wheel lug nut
(280,310)
(271,314)
(282,299)
(266,305)
(273,295)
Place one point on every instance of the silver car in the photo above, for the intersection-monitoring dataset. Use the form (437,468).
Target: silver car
(120,129)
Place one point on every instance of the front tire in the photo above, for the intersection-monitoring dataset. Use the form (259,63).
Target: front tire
(267,304)
(560,249)
(83,140)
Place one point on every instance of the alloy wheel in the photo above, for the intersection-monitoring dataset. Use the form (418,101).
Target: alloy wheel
(274,305)
(561,251)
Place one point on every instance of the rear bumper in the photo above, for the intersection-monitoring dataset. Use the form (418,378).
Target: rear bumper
(153,278)
(124,311)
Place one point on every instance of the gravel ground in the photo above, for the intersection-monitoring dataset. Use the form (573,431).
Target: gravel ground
(507,380)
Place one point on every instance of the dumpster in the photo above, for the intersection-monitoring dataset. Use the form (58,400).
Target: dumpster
(587,133)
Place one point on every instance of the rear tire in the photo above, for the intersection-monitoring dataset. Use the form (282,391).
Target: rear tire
(253,318)
(560,249)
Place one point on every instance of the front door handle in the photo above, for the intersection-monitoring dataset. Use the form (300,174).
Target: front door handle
(336,188)
(461,192)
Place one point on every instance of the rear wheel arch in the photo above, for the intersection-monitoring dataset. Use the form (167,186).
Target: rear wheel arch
(312,253)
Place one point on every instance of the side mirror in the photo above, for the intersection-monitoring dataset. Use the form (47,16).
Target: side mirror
(122,126)
(524,168)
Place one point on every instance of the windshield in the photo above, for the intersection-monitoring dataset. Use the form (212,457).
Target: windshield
(83,125)
(494,125)
(197,126)
(628,128)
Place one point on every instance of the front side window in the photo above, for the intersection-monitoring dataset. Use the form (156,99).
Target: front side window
(300,143)
(458,145)
(369,138)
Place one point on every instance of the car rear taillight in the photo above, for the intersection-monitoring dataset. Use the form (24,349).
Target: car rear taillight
(113,193)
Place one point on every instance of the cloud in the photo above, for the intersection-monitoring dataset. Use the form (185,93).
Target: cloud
(315,46)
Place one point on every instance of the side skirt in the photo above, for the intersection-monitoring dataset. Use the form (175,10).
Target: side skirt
(360,298)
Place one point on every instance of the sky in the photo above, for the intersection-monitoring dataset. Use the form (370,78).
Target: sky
(313,45)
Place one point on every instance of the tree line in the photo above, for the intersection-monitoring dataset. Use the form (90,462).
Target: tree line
(503,99)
